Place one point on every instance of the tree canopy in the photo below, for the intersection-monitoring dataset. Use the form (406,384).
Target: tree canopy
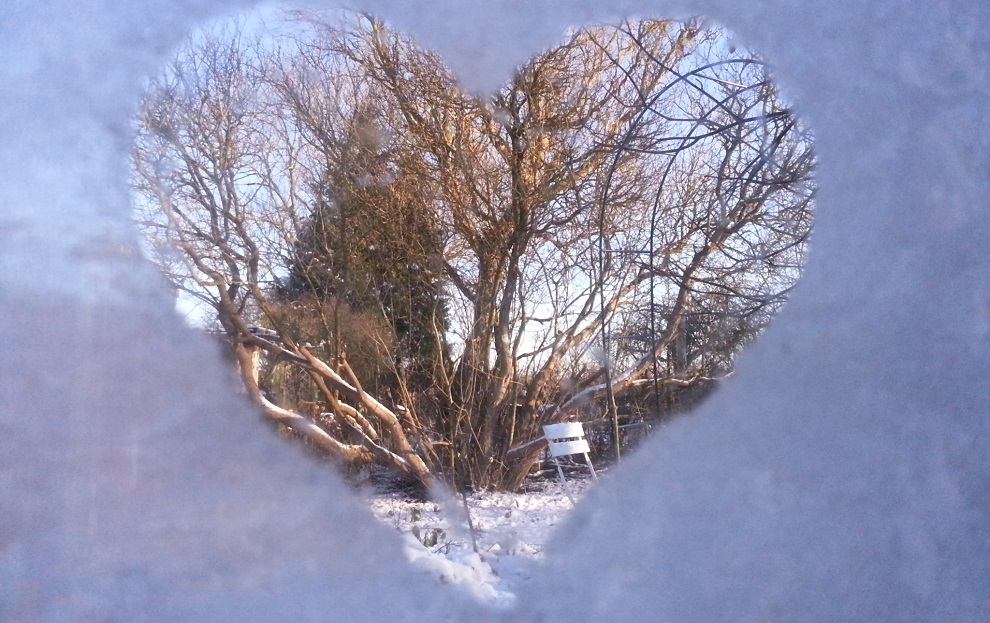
(439,274)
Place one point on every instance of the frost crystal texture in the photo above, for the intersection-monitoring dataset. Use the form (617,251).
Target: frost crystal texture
(843,475)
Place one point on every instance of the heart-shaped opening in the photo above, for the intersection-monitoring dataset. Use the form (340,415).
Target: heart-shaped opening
(415,280)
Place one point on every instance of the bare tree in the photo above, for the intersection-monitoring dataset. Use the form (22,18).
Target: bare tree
(218,178)
(643,178)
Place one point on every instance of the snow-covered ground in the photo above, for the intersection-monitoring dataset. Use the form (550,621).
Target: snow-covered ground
(510,530)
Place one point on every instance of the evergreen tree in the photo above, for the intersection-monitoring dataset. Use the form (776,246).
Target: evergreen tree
(371,249)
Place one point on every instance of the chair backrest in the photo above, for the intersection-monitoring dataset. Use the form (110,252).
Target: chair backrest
(566,438)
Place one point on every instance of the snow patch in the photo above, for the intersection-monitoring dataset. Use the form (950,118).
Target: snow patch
(510,529)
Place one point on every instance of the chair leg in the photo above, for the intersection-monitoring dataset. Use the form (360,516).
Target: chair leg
(563,481)
(587,459)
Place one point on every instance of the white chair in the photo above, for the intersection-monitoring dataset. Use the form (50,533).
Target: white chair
(566,439)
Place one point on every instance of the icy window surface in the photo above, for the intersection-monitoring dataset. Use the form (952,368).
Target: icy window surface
(855,491)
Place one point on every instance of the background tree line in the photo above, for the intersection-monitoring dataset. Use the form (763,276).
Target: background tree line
(416,277)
